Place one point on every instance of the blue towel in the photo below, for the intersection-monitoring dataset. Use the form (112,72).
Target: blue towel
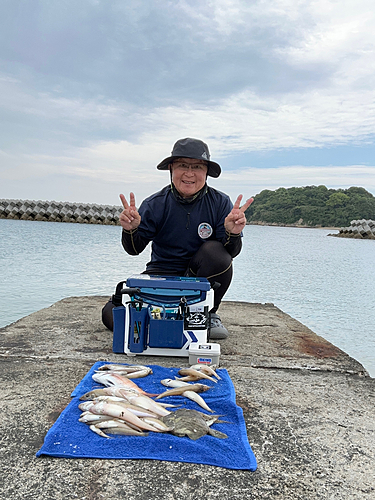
(73,439)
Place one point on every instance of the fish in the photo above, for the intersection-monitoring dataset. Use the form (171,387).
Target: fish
(118,427)
(96,429)
(121,413)
(89,396)
(176,382)
(177,391)
(197,399)
(157,423)
(125,368)
(139,373)
(85,406)
(107,391)
(188,378)
(191,374)
(132,371)
(168,405)
(170,382)
(148,404)
(190,423)
(186,390)
(130,396)
(208,369)
(114,379)
(134,408)
(90,418)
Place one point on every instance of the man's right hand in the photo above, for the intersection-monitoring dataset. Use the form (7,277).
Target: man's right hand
(129,217)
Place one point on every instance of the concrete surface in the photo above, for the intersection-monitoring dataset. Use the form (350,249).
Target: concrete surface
(308,407)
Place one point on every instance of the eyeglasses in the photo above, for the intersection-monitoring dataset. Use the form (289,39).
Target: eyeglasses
(195,167)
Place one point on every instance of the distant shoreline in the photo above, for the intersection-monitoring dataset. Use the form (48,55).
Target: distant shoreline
(276,224)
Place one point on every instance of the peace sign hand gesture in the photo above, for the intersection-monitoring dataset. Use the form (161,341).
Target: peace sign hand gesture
(129,217)
(235,221)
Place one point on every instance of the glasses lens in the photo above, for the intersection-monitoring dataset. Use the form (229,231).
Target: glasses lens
(186,167)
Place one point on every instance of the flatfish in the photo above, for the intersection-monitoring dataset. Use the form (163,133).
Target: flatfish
(192,423)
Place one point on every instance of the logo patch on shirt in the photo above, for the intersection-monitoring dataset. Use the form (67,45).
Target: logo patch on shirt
(204,230)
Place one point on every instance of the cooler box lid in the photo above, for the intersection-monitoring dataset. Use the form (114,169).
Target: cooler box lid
(180,283)
(168,290)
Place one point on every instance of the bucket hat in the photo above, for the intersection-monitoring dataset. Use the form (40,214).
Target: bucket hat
(191,148)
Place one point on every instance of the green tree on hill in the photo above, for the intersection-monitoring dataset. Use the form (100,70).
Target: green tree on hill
(312,206)
(337,200)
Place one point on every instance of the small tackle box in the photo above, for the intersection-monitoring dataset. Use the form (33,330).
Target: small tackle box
(161,315)
(204,354)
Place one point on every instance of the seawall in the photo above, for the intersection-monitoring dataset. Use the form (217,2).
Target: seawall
(85,213)
(363,229)
(52,211)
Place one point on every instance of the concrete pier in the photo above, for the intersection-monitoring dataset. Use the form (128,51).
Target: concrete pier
(308,407)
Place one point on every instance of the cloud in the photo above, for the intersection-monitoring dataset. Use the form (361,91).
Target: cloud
(153,51)
(240,124)
(97,92)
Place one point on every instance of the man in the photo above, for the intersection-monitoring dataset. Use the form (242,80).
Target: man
(194,229)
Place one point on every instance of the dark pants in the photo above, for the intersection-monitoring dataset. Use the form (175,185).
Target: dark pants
(211,261)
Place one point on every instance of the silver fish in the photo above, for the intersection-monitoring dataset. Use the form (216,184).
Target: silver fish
(148,404)
(191,374)
(157,423)
(112,410)
(197,399)
(110,379)
(90,418)
(117,427)
(98,431)
(125,368)
(177,391)
(208,369)
(107,391)
(174,382)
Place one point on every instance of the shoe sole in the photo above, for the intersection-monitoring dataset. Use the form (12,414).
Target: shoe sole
(218,336)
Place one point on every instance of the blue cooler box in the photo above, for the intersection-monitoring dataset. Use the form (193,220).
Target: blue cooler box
(161,315)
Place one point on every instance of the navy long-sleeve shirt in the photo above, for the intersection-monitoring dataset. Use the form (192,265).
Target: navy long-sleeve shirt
(178,228)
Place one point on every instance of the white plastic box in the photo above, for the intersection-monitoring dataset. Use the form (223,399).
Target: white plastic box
(205,353)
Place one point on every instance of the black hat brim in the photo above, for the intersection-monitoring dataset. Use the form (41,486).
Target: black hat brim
(214,169)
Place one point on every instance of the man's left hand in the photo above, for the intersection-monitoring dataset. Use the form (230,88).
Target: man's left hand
(235,221)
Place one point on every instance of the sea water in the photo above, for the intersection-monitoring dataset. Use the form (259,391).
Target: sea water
(326,283)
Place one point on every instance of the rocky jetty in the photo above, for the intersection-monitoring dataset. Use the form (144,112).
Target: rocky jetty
(359,229)
(53,211)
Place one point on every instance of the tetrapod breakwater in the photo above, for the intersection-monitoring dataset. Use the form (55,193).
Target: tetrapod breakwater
(358,229)
(55,211)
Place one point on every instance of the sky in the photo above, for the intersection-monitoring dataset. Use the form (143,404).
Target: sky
(94,93)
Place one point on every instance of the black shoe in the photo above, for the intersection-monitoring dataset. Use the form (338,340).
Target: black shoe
(217,329)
